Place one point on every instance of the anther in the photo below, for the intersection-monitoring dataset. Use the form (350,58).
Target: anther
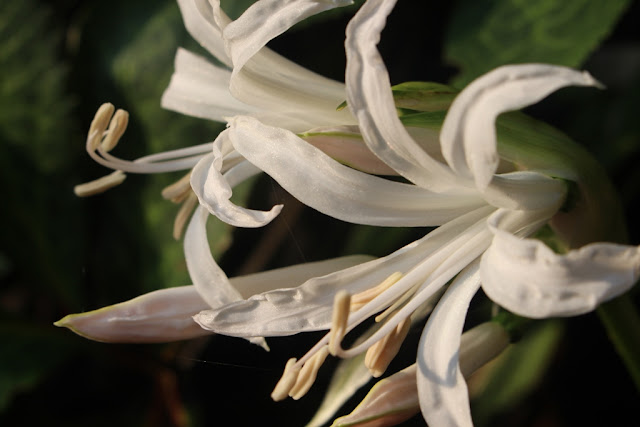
(179,190)
(308,374)
(286,383)
(341,304)
(397,303)
(183,214)
(362,298)
(380,355)
(100,185)
(99,124)
(117,126)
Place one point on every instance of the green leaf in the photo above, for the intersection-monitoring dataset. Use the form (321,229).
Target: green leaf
(485,34)
(515,373)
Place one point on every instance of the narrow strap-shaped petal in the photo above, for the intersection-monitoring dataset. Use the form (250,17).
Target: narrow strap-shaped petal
(200,89)
(528,278)
(267,19)
(525,190)
(199,21)
(208,278)
(159,316)
(309,307)
(370,99)
(388,403)
(265,79)
(339,191)
(444,399)
(468,134)
(214,189)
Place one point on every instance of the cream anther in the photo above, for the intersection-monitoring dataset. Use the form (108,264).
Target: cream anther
(288,380)
(341,305)
(184,214)
(99,185)
(179,190)
(308,374)
(117,127)
(99,124)
(397,303)
(380,355)
(362,298)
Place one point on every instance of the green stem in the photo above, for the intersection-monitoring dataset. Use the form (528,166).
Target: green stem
(622,322)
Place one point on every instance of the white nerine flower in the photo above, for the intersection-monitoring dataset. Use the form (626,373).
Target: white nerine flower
(283,121)
(484,220)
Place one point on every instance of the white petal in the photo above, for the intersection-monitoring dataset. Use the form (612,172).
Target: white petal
(292,276)
(370,99)
(199,21)
(200,89)
(208,278)
(266,20)
(280,87)
(525,190)
(468,134)
(444,399)
(528,278)
(309,307)
(388,403)
(339,191)
(159,316)
(214,189)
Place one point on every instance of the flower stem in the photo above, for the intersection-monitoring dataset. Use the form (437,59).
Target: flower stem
(622,323)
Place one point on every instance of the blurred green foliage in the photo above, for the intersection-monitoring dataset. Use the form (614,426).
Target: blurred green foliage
(59,60)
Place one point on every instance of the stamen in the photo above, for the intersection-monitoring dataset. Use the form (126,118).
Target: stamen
(101,140)
(117,126)
(308,374)
(100,185)
(341,304)
(179,190)
(362,298)
(288,380)
(397,303)
(183,214)
(380,355)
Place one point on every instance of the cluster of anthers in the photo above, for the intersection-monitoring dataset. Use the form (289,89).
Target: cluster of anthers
(104,134)
(381,347)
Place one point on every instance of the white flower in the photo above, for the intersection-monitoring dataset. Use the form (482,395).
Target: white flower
(484,219)
(262,84)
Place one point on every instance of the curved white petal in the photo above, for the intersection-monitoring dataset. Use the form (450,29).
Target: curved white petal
(528,278)
(388,403)
(339,191)
(199,21)
(213,188)
(208,278)
(280,87)
(200,89)
(468,133)
(159,316)
(309,307)
(370,99)
(525,190)
(444,399)
(267,19)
